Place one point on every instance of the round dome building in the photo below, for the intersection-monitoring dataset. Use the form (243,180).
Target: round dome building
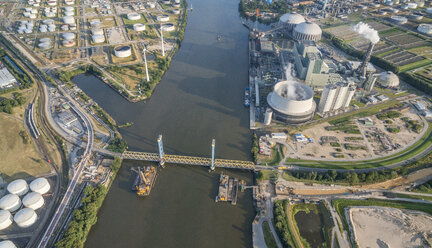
(7,244)
(290,20)
(10,202)
(388,79)
(6,219)
(33,200)
(25,217)
(307,31)
(18,187)
(292,102)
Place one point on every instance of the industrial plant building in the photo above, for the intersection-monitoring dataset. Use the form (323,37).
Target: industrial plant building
(311,67)
(292,102)
(6,78)
(335,97)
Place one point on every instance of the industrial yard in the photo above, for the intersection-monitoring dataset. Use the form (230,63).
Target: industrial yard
(390,227)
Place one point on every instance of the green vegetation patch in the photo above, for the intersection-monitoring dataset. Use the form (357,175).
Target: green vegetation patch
(417,197)
(424,188)
(388,115)
(282,226)
(268,236)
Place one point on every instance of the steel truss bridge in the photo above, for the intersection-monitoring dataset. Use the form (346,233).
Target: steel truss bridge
(189,160)
(162,158)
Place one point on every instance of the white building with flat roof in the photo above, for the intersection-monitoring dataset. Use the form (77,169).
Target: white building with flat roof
(6,78)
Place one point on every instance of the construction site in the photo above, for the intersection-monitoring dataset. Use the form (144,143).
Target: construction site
(145,179)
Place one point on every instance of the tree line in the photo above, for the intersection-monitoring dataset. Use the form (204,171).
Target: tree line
(7,104)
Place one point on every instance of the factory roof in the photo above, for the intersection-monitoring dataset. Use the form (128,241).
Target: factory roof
(6,78)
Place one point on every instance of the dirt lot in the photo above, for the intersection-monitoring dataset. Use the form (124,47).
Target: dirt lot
(339,145)
(18,160)
(391,227)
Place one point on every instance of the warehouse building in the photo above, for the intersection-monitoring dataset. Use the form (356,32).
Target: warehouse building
(6,78)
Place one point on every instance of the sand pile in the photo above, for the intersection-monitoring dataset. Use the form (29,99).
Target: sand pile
(385,227)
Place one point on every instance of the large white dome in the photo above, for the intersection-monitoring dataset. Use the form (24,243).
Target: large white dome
(18,187)
(307,31)
(7,244)
(389,79)
(10,202)
(292,18)
(25,217)
(40,185)
(33,200)
(425,28)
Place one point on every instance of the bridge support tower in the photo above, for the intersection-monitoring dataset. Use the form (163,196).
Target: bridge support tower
(212,166)
(161,151)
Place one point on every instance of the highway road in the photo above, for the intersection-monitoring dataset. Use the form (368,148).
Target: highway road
(73,183)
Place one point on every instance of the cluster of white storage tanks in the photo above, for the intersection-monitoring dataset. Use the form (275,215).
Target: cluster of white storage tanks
(69,11)
(98,35)
(7,244)
(11,202)
(34,3)
(44,43)
(50,12)
(69,20)
(30,13)
(25,27)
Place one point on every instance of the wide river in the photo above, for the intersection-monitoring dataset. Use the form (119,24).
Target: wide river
(199,98)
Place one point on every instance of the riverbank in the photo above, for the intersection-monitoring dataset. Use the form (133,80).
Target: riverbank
(113,75)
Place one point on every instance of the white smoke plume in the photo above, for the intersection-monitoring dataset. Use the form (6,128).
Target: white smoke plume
(292,92)
(367,32)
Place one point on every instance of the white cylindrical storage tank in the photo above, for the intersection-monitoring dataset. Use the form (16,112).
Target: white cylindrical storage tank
(429,10)
(44,45)
(10,202)
(68,36)
(163,18)
(68,19)
(68,8)
(25,217)
(7,244)
(166,1)
(68,43)
(49,14)
(139,27)
(151,5)
(18,187)
(399,20)
(33,200)
(176,1)
(97,31)
(176,11)
(48,21)
(412,5)
(98,38)
(292,102)
(32,16)
(168,27)
(307,31)
(425,28)
(69,13)
(52,3)
(176,5)
(34,11)
(133,16)
(6,219)
(122,51)
(268,116)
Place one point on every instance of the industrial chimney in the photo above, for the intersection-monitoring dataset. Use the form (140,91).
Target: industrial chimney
(363,66)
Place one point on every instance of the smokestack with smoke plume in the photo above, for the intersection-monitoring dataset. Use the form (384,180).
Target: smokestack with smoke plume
(367,32)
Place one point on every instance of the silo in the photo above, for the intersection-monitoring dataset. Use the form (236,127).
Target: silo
(349,97)
(340,95)
(18,187)
(10,202)
(327,98)
(25,217)
(7,244)
(68,36)
(6,219)
(33,200)
(268,116)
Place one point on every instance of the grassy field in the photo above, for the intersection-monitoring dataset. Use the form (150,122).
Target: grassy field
(418,197)
(424,188)
(268,236)
(18,160)
(415,149)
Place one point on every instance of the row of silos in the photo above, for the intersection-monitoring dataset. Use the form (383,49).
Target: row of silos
(335,96)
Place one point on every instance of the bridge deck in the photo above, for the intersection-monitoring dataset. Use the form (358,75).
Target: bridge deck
(189,160)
